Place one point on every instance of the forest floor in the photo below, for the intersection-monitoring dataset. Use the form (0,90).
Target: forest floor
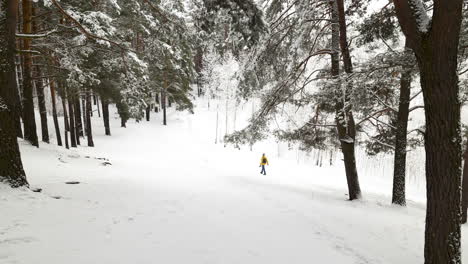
(170,195)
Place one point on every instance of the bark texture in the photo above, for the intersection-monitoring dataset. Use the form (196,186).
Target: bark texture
(465,187)
(399,165)
(66,124)
(11,166)
(71,118)
(344,116)
(78,120)
(105,115)
(436,47)
(30,133)
(39,81)
(54,113)
(148,113)
(89,110)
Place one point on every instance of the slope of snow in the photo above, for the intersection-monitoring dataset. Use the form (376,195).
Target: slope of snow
(172,196)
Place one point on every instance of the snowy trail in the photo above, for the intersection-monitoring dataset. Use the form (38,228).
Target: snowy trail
(172,196)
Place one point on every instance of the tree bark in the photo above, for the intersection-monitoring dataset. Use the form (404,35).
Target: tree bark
(73,134)
(89,132)
(78,120)
(156,108)
(163,101)
(54,113)
(97,105)
(66,125)
(11,166)
(436,50)
(465,187)
(30,133)
(148,113)
(399,165)
(40,90)
(18,113)
(105,115)
(344,116)
(42,106)
(85,121)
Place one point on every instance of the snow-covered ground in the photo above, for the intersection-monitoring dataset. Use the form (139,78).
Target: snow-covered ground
(171,195)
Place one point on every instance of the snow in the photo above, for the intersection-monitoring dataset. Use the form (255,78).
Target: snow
(172,196)
(419,11)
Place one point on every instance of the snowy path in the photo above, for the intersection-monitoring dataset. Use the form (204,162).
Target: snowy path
(171,196)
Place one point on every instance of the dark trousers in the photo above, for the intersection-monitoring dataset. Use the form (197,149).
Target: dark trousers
(263,170)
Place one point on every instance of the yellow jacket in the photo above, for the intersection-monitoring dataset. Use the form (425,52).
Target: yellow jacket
(264,161)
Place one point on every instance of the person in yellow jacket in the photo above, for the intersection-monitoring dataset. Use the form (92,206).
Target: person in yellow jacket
(263,162)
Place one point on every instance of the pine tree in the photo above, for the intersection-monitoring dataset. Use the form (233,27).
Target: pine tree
(435,43)
(11,166)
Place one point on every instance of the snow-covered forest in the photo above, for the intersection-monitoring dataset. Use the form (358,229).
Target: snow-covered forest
(134,131)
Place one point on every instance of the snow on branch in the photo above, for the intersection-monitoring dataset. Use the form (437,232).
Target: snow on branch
(35,36)
(83,30)
(420,14)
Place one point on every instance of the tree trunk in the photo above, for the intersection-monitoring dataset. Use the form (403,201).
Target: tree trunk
(89,132)
(344,117)
(465,187)
(163,101)
(105,115)
(148,113)
(11,166)
(30,133)
(40,90)
(435,45)
(83,106)
(97,104)
(399,165)
(78,120)
(42,106)
(19,109)
(54,113)
(18,114)
(66,125)
(72,121)
(156,108)
(443,159)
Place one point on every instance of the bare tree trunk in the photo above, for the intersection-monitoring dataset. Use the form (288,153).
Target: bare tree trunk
(344,117)
(97,104)
(18,114)
(30,133)
(89,132)
(19,109)
(78,120)
(148,112)
(40,90)
(66,125)
(72,121)
(156,108)
(163,102)
(54,113)
(399,169)
(85,121)
(435,45)
(105,115)
(465,187)
(42,106)
(11,166)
